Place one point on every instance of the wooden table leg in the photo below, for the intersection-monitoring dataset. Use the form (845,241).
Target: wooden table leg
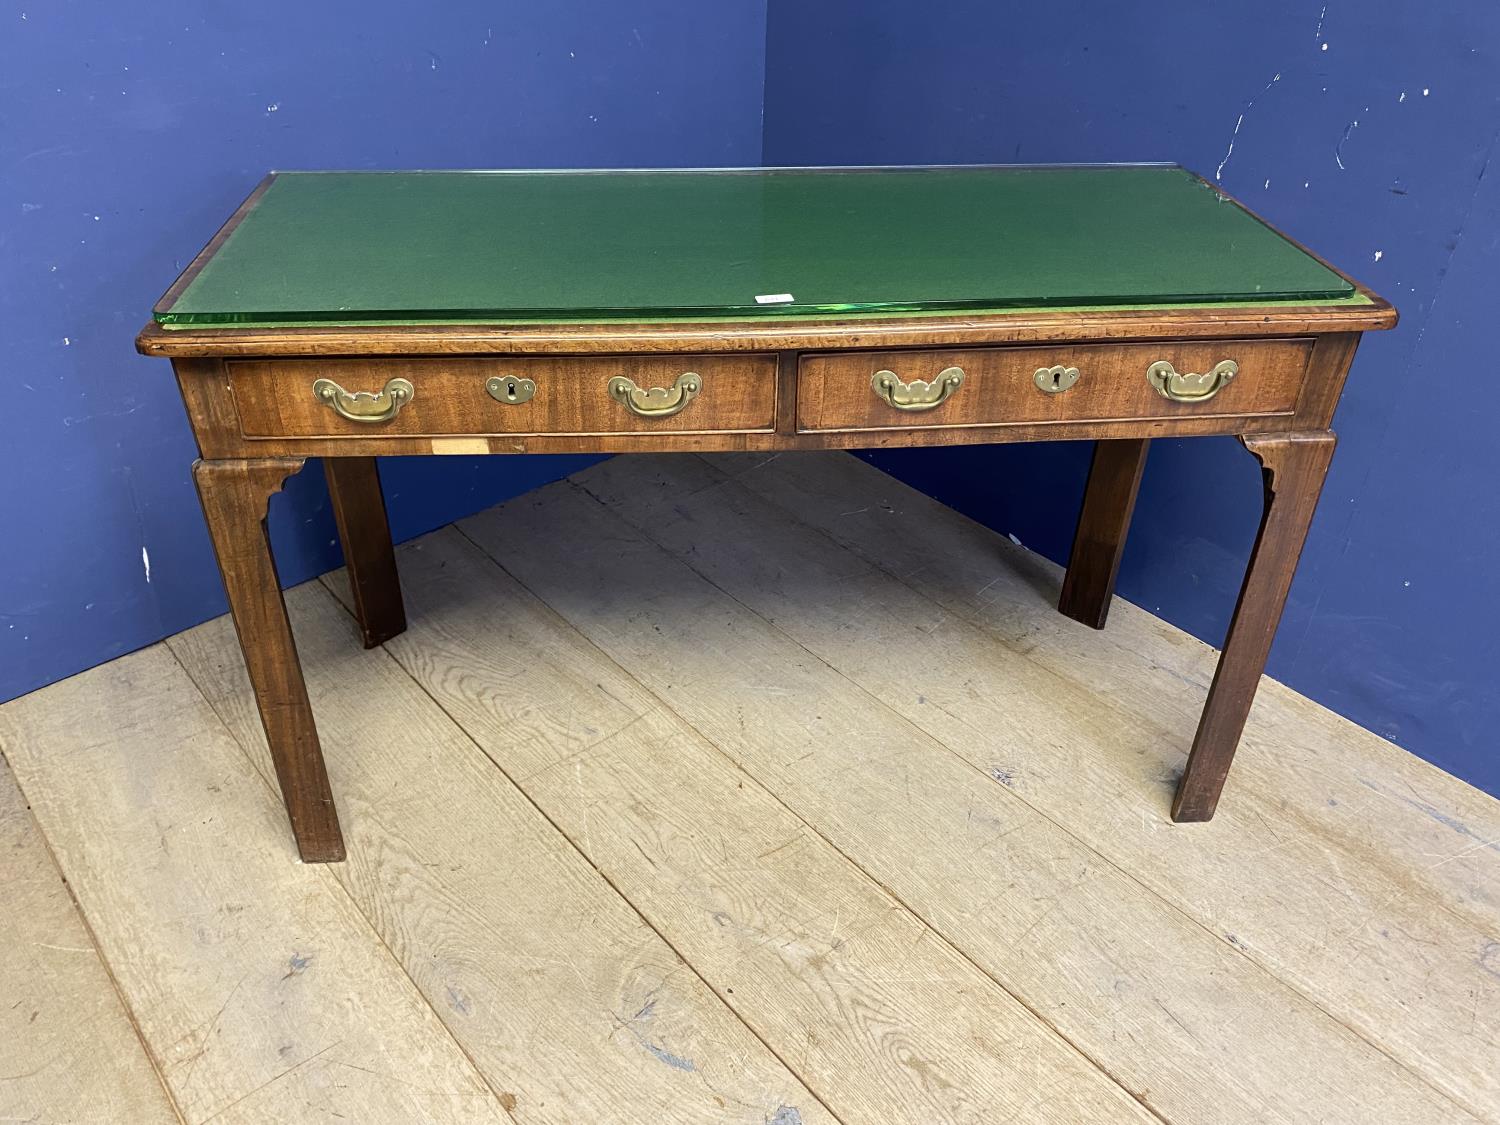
(1108,501)
(234,496)
(359,510)
(1293,467)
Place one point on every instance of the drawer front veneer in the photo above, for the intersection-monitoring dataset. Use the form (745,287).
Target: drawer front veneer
(493,395)
(880,390)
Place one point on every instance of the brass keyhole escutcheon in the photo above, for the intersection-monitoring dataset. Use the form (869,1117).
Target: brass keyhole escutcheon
(1056,379)
(510,389)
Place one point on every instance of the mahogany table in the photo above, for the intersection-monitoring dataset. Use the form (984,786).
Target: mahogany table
(348,316)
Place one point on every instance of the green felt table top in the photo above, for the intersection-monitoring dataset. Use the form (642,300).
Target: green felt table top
(421,247)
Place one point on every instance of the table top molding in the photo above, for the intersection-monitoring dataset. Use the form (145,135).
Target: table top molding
(604,338)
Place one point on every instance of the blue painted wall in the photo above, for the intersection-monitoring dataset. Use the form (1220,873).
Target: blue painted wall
(1363,130)
(127,136)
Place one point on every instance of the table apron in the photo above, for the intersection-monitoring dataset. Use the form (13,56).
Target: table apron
(257,408)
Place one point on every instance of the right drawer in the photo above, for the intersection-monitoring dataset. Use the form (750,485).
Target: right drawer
(881,390)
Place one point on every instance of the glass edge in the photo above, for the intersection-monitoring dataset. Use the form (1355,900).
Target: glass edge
(190,322)
(747,169)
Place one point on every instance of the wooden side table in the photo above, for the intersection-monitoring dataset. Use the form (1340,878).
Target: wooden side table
(353,315)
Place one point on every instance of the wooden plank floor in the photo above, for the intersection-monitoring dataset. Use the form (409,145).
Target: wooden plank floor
(733,789)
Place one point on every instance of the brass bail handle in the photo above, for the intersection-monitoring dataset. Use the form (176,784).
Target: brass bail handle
(918,394)
(1188,386)
(365,406)
(656,402)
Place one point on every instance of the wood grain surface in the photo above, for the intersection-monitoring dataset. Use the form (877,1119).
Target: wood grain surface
(1088,587)
(772,792)
(262,992)
(980,866)
(770,334)
(1354,871)
(571,1006)
(879,1013)
(68,1050)
(235,495)
(358,504)
(999,387)
(275,398)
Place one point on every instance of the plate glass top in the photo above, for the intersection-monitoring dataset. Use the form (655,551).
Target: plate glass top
(409,247)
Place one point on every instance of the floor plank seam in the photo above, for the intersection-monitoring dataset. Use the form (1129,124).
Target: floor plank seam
(1314,1001)
(584,639)
(328,877)
(752,780)
(999,640)
(1267,683)
(976,622)
(88,928)
(588,859)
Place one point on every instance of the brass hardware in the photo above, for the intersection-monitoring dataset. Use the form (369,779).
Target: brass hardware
(365,406)
(510,389)
(656,402)
(916,395)
(1054,380)
(1187,386)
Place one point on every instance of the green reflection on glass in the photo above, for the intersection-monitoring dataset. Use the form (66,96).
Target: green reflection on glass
(412,247)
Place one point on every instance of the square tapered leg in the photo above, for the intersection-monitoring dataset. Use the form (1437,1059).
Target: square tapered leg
(359,510)
(235,495)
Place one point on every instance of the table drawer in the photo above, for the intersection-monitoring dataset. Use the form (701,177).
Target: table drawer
(1055,383)
(493,395)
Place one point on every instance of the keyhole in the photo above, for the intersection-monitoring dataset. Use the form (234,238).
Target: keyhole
(509,389)
(1056,379)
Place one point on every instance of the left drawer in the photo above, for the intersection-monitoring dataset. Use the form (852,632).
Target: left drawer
(497,395)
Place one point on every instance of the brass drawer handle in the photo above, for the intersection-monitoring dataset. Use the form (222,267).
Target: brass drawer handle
(1056,379)
(365,406)
(916,395)
(1186,386)
(656,402)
